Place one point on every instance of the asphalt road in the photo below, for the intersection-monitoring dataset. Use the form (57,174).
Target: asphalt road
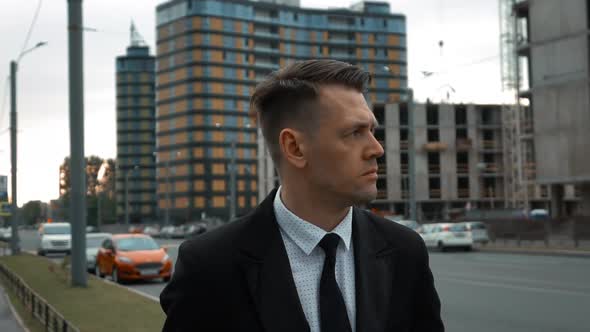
(489,292)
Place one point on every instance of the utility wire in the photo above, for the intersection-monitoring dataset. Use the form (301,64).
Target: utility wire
(28,37)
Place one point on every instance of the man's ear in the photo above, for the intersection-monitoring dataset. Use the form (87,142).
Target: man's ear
(293,147)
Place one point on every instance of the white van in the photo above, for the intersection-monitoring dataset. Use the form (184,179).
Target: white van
(54,238)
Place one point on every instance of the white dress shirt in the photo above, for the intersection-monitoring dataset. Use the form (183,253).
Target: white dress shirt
(301,239)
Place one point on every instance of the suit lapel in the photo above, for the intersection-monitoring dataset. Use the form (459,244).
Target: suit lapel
(374,276)
(267,271)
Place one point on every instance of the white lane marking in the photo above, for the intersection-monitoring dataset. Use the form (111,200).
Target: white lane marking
(514,287)
(151,297)
(553,284)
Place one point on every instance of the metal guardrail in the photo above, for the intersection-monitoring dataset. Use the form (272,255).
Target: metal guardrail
(37,306)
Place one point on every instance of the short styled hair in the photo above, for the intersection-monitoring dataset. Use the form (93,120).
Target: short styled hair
(286,98)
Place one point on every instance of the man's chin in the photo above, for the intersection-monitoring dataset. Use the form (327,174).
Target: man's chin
(365,197)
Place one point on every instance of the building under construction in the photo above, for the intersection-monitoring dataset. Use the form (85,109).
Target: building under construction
(545,61)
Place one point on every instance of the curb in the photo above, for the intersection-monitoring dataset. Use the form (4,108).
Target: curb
(150,297)
(15,313)
(536,252)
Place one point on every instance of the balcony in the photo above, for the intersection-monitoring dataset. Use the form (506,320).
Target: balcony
(435,193)
(381,194)
(490,169)
(382,170)
(435,147)
(463,144)
(434,169)
(462,168)
(489,145)
(404,168)
(463,193)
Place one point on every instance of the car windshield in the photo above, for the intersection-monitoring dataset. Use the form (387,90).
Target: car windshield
(54,230)
(94,242)
(136,243)
(458,228)
(478,226)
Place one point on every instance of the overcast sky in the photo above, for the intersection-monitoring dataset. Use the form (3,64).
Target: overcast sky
(469,28)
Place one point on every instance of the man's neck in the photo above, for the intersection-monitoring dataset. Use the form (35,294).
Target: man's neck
(313,208)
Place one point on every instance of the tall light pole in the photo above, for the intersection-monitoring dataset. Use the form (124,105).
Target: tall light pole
(168,187)
(14,242)
(135,167)
(232,169)
(77,160)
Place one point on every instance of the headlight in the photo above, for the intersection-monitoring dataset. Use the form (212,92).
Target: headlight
(125,260)
(166,257)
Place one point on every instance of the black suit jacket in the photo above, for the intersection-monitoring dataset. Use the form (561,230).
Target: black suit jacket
(238,278)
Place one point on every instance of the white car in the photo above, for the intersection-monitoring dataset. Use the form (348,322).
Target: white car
(446,235)
(478,231)
(93,243)
(54,238)
(5,233)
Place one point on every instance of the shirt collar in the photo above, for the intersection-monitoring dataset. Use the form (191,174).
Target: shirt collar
(305,234)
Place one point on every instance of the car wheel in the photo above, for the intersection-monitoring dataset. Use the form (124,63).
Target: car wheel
(441,246)
(115,275)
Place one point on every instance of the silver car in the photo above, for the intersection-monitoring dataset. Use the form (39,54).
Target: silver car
(93,243)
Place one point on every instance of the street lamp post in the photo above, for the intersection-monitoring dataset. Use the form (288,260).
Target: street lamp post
(14,242)
(99,179)
(127,192)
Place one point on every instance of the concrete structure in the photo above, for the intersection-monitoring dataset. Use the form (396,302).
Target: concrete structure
(211,55)
(459,161)
(555,66)
(136,142)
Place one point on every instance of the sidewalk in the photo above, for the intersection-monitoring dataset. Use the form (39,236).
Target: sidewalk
(558,247)
(8,322)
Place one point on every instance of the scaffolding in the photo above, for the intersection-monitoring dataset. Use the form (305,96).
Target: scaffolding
(516,140)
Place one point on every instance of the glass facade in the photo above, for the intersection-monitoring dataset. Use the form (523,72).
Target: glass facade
(136,141)
(211,54)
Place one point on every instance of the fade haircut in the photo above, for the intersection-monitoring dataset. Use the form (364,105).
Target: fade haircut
(287,97)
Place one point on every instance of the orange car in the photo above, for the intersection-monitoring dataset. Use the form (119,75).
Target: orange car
(132,257)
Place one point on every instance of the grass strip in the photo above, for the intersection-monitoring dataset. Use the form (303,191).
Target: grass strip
(98,307)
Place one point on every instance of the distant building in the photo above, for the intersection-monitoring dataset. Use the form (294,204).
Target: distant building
(136,131)
(460,161)
(210,56)
(554,51)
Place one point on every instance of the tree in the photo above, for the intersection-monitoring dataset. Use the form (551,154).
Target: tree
(105,188)
(31,212)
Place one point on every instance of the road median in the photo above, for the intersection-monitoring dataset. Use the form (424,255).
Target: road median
(98,307)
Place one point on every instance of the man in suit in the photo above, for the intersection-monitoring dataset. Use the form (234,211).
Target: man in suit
(305,259)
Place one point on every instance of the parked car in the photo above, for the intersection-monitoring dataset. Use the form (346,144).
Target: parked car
(195,229)
(166,232)
(93,243)
(478,231)
(151,231)
(132,257)
(5,233)
(446,235)
(54,238)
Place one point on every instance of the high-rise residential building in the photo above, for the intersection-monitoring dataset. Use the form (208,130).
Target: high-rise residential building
(211,54)
(136,174)
(553,57)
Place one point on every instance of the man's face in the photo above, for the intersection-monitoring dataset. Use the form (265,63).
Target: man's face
(342,150)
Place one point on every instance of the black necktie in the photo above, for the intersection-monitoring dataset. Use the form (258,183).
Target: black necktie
(333,316)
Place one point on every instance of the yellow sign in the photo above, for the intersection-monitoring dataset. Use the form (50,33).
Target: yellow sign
(5,209)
